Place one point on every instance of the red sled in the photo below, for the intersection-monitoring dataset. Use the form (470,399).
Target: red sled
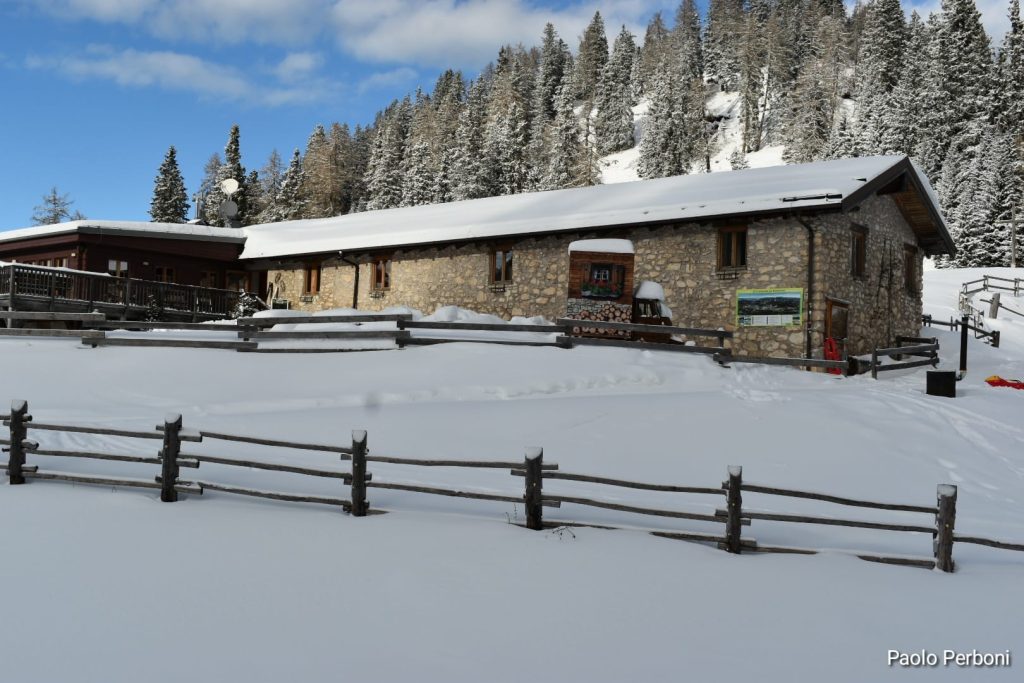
(997,381)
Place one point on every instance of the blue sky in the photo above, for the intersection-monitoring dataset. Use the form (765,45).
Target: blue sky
(94,91)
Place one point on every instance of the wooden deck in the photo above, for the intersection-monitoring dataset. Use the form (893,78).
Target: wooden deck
(31,288)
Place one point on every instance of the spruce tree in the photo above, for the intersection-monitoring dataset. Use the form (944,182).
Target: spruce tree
(613,126)
(288,203)
(592,56)
(474,171)
(170,201)
(652,53)
(722,48)
(231,168)
(881,62)
(566,154)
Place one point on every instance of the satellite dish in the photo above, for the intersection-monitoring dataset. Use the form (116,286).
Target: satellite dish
(229,186)
(228,209)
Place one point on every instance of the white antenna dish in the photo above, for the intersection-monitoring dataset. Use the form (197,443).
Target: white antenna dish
(229,186)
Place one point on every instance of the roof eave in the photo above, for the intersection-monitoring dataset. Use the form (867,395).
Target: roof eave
(772,213)
(904,166)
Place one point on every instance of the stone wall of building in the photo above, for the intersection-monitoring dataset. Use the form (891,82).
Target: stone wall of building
(880,305)
(682,258)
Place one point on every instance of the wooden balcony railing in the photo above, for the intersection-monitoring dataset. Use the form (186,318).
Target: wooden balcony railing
(67,287)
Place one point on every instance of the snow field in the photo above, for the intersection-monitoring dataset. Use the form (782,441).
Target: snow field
(447,589)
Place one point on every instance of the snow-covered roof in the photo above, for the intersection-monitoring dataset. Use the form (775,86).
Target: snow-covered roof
(181,231)
(605,246)
(837,184)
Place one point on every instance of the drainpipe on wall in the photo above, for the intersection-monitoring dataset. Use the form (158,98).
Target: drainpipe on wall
(810,284)
(355,285)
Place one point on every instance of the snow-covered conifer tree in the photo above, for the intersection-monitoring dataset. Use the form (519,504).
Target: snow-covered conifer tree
(170,200)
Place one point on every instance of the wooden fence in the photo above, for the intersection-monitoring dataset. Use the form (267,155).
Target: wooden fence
(987,283)
(924,347)
(568,333)
(939,521)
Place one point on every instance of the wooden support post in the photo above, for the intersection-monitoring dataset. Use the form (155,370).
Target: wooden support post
(534,488)
(874,364)
(359,504)
(734,522)
(19,416)
(993,306)
(945,520)
(963,345)
(169,455)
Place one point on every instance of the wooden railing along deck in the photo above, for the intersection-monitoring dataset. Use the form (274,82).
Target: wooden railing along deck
(54,289)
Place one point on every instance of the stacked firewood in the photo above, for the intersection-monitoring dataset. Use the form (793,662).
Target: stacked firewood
(607,313)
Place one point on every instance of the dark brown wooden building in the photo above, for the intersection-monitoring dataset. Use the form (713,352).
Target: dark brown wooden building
(185,254)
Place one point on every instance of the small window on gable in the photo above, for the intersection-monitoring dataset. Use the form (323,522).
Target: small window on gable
(910,276)
(858,250)
(311,275)
(381,274)
(732,246)
(501,266)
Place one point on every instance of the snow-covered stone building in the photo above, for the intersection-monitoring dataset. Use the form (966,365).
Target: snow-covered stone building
(784,257)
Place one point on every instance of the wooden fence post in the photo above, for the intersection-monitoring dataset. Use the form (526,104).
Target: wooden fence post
(19,416)
(169,455)
(734,522)
(534,488)
(945,519)
(993,306)
(359,505)
(874,364)
(963,346)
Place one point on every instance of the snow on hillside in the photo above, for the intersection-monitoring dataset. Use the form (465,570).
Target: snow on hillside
(621,167)
(111,585)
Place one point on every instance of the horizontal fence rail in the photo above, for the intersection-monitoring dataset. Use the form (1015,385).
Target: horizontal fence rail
(534,472)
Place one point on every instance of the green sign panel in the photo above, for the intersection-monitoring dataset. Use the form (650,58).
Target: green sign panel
(769,307)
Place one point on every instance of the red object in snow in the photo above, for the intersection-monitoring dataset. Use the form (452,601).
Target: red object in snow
(832,353)
(997,381)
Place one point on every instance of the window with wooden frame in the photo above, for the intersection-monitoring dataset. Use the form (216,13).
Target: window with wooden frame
(381,274)
(604,281)
(117,268)
(208,278)
(858,250)
(732,247)
(164,274)
(311,279)
(910,268)
(501,267)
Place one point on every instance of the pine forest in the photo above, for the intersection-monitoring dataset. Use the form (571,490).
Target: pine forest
(751,83)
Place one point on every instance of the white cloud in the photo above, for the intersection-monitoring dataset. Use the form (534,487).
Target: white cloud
(441,33)
(387,79)
(176,71)
(226,21)
(468,33)
(100,10)
(298,65)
